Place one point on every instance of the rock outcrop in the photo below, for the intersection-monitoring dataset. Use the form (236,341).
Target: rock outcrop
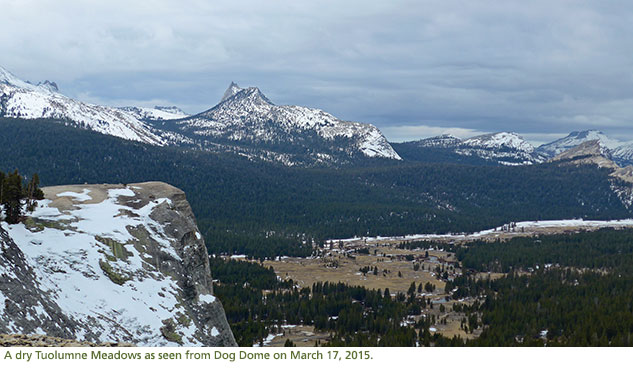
(595,153)
(114,263)
(22,340)
(587,153)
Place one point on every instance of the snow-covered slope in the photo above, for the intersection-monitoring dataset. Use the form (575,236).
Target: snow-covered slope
(19,99)
(500,140)
(442,141)
(247,117)
(620,152)
(507,148)
(623,154)
(156,113)
(502,148)
(110,263)
(574,139)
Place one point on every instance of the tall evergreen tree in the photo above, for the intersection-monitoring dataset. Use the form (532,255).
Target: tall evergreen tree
(12,197)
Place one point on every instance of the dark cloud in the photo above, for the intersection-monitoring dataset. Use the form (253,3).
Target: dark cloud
(540,68)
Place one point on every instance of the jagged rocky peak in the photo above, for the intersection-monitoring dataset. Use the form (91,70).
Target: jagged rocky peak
(110,263)
(252,96)
(51,86)
(249,99)
(247,116)
(232,90)
(8,78)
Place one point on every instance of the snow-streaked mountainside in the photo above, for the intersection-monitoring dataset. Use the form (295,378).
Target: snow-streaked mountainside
(110,263)
(506,148)
(20,99)
(503,148)
(574,139)
(500,140)
(247,117)
(623,154)
(618,151)
(156,113)
(441,141)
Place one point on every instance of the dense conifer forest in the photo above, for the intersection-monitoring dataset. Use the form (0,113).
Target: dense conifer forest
(263,209)
(575,290)
(572,289)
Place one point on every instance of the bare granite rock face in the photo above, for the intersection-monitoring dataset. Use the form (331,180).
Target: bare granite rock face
(111,263)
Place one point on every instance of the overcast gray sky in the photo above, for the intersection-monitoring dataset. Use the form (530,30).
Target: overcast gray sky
(412,68)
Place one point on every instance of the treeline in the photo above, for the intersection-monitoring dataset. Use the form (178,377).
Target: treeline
(426,244)
(16,193)
(254,245)
(605,248)
(245,273)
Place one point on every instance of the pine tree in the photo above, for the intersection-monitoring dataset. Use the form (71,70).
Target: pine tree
(33,192)
(12,197)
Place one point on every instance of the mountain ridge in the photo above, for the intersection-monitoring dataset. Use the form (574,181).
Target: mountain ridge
(20,99)
(245,116)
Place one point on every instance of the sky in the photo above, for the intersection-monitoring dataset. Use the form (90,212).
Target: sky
(412,68)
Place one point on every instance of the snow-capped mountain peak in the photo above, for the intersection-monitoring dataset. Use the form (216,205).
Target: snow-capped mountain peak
(172,110)
(50,86)
(246,115)
(232,90)
(499,140)
(156,113)
(442,141)
(252,95)
(8,78)
(21,99)
(576,138)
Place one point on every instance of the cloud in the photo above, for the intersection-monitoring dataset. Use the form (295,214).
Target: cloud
(532,67)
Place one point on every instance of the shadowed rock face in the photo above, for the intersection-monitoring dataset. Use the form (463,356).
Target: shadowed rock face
(111,263)
(23,306)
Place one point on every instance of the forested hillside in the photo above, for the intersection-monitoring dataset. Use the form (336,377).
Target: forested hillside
(568,289)
(264,209)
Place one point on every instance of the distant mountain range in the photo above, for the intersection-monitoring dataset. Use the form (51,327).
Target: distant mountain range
(247,123)
(20,99)
(244,122)
(156,113)
(507,148)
